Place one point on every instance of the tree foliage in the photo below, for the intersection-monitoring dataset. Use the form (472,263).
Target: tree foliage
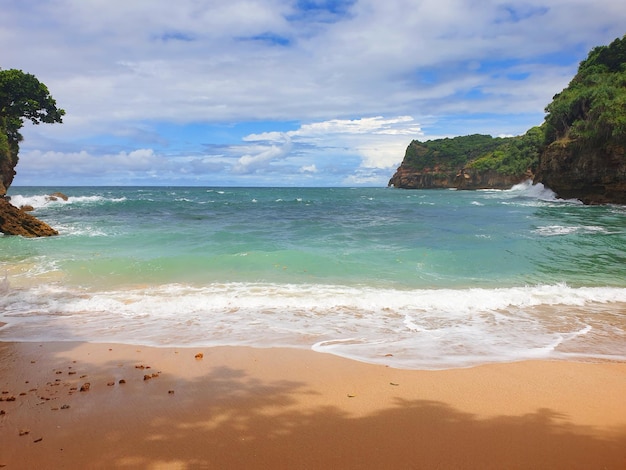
(22,96)
(514,156)
(508,155)
(592,109)
(449,153)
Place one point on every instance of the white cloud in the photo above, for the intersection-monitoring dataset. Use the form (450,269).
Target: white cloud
(308,169)
(354,80)
(378,142)
(263,158)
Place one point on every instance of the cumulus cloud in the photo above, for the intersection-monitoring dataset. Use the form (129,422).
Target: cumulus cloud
(351,77)
(379,142)
(264,156)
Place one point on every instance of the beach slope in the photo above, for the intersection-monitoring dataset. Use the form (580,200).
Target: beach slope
(278,408)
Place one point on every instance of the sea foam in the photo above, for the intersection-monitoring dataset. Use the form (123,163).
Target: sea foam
(436,328)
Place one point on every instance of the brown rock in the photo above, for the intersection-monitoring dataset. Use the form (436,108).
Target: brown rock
(592,175)
(14,221)
(57,196)
(85,387)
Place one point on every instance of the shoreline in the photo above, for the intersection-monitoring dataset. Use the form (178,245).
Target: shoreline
(242,407)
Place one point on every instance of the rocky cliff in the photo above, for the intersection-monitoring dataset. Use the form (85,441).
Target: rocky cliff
(488,179)
(22,97)
(578,151)
(410,178)
(586,131)
(465,178)
(592,175)
(14,221)
(469,162)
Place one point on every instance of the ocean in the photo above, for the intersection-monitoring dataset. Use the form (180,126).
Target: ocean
(415,279)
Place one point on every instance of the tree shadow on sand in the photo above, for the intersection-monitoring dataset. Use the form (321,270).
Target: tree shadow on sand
(230,419)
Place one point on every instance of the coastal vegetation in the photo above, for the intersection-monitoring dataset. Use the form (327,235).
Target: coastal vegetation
(506,155)
(578,151)
(592,109)
(22,97)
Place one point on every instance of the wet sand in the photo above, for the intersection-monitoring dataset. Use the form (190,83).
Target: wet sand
(291,409)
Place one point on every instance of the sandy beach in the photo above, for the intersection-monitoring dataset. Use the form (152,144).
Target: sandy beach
(82,405)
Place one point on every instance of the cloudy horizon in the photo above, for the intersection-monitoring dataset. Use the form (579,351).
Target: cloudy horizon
(283,92)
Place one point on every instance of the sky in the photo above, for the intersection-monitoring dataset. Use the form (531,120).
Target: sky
(283,92)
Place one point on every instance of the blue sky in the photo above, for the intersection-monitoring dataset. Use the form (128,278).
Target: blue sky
(283,92)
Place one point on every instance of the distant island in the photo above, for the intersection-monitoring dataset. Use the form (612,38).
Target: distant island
(578,151)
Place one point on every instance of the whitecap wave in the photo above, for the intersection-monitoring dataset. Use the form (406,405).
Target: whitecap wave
(43,200)
(528,189)
(422,328)
(555,230)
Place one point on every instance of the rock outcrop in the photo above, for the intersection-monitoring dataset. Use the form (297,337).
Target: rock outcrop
(578,151)
(14,221)
(592,175)
(469,162)
(488,179)
(464,178)
(585,132)
(409,178)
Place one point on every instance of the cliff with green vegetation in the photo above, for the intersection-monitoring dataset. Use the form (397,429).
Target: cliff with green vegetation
(22,96)
(469,162)
(578,151)
(585,130)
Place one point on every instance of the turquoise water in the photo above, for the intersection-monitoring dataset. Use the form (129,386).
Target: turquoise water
(415,279)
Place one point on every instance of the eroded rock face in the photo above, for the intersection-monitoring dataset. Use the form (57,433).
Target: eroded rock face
(407,178)
(14,221)
(472,179)
(7,172)
(594,176)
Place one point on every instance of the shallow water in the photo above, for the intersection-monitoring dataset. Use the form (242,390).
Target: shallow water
(412,279)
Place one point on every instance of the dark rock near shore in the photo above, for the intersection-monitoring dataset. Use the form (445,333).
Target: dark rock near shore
(475,179)
(56,197)
(592,175)
(409,178)
(463,178)
(14,221)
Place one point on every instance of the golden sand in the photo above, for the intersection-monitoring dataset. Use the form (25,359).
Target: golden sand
(290,409)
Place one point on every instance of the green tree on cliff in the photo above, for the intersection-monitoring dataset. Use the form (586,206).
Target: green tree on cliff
(22,96)
(592,109)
